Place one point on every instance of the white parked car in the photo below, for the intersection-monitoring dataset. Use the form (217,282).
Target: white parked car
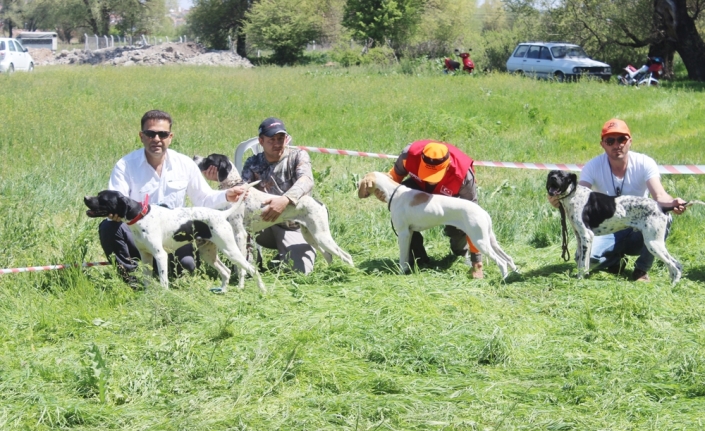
(555,60)
(14,56)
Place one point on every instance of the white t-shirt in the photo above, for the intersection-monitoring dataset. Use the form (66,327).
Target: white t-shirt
(134,177)
(640,169)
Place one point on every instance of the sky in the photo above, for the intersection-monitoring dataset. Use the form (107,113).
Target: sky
(185,4)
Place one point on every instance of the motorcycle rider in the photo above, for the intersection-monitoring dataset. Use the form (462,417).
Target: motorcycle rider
(645,68)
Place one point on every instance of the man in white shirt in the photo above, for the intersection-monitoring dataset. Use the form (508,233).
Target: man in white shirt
(166,177)
(622,172)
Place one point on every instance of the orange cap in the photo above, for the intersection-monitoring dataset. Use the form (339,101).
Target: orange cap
(615,126)
(434,162)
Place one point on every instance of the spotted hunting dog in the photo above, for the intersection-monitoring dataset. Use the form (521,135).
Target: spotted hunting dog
(592,213)
(308,212)
(158,230)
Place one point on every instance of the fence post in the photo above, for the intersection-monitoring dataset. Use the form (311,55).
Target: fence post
(314,45)
(97,42)
(85,48)
(184,38)
(112,41)
(144,40)
(167,39)
(106,41)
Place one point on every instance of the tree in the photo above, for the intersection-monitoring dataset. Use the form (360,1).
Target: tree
(443,26)
(214,20)
(382,21)
(660,26)
(284,26)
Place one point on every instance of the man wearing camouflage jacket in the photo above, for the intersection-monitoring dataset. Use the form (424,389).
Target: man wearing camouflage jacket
(286,173)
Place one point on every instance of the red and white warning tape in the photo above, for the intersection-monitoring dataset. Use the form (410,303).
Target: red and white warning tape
(50,267)
(664,169)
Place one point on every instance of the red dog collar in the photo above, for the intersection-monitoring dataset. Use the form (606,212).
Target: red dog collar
(145,210)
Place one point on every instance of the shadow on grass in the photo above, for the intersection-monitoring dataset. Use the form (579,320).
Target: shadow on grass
(696,274)
(391,266)
(546,270)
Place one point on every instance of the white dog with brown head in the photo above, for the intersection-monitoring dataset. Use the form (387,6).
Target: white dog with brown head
(415,211)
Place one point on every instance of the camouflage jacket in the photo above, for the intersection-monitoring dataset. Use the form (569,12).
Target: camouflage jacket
(291,176)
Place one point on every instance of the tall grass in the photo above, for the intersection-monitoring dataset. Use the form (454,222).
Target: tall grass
(361,348)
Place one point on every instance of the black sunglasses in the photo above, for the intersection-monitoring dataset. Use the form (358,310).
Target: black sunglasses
(610,141)
(151,134)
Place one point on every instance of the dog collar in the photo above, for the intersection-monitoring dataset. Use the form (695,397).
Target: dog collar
(145,210)
(389,204)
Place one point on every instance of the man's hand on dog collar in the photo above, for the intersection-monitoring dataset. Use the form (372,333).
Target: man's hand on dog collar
(554,201)
(114,217)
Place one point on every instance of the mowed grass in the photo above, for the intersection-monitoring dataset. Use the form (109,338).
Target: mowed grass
(346,348)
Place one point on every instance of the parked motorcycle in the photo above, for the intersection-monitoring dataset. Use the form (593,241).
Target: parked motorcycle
(645,75)
(450,65)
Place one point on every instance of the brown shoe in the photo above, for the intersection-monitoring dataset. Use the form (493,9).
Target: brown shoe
(639,275)
(477,271)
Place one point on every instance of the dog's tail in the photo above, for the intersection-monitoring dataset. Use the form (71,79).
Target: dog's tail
(687,204)
(239,202)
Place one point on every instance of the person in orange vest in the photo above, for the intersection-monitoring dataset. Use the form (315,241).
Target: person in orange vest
(439,168)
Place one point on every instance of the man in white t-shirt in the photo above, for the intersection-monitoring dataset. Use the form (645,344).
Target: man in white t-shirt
(622,172)
(167,177)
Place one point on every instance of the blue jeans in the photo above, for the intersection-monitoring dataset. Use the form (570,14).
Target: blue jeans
(608,250)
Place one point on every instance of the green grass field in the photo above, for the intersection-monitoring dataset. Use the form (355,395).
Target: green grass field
(346,348)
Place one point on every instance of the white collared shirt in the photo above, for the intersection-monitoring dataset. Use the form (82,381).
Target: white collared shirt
(134,177)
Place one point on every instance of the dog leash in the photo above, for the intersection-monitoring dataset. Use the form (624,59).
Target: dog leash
(565,253)
(389,208)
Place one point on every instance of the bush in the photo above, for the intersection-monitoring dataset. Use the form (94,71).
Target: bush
(383,56)
(284,26)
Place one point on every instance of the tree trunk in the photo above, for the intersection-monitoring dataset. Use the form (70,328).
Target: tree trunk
(105,19)
(91,20)
(240,45)
(666,50)
(664,41)
(689,43)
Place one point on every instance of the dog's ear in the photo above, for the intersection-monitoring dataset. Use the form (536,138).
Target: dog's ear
(122,205)
(573,178)
(224,168)
(366,186)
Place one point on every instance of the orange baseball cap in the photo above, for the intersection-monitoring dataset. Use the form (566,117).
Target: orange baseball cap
(434,162)
(615,126)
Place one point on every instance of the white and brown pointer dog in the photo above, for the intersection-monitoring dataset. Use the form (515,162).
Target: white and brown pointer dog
(414,210)
(308,212)
(158,230)
(593,213)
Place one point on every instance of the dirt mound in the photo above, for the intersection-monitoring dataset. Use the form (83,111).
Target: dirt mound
(153,55)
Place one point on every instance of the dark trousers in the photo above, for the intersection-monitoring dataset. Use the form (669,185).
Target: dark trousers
(118,244)
(458,242)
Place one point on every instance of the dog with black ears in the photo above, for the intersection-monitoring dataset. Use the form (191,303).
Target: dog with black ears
(158,230)
(308,212)
(592,213)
